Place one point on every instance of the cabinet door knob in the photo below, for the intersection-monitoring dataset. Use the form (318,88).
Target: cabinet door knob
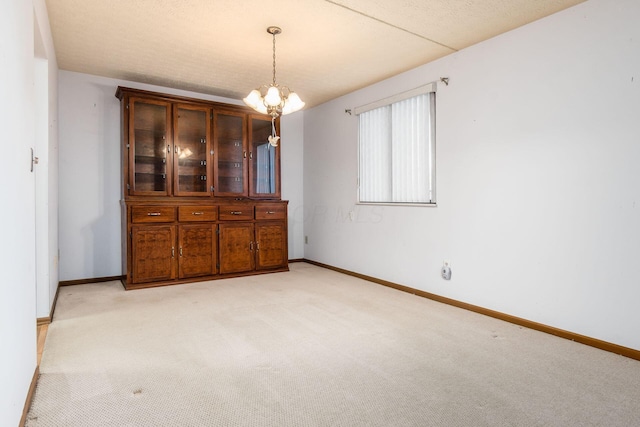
(236,212)
(180,250)
(173,252)
(197,213)
(154,214)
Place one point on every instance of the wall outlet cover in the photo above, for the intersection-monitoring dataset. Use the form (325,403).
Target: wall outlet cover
(446,272)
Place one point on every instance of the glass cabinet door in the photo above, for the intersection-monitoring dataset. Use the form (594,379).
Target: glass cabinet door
(191,153)
(149,147)
(230,152)
(264,168)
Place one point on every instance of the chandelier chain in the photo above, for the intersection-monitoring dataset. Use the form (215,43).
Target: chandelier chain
(274,58)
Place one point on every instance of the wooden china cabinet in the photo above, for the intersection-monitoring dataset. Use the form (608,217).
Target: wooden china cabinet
(201,191)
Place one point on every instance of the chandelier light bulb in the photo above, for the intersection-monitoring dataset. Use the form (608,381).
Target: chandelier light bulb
(286,107)
(254,99)
(295,102)
(273,98)
(261,108)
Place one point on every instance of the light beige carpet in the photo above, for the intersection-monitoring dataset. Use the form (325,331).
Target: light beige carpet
(312,347)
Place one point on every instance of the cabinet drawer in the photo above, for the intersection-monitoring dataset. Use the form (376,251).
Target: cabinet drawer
(231,212)
(153,214)
(271,211)
(197,213)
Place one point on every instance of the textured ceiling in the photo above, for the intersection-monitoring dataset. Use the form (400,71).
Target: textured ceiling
(327,47)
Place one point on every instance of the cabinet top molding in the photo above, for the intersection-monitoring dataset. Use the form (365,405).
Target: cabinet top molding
(122,91)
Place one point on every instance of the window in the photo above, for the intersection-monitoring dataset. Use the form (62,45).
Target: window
(397,149)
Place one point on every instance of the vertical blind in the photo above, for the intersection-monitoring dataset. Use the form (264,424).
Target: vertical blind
(396,151)
(265,169)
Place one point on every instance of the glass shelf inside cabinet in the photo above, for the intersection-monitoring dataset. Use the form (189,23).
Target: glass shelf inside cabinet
(150,147)
(231,153)
(192,150)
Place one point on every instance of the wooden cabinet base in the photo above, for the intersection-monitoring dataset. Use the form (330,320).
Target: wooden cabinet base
(131,286)
(179,240)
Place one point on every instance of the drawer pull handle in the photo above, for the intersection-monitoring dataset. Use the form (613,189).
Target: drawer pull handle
(236,212)
(197,213)
(270,212)
(154,214)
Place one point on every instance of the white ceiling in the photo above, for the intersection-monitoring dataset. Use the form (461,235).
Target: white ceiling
(327,47)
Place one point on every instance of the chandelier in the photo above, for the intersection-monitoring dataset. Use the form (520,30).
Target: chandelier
(273,99)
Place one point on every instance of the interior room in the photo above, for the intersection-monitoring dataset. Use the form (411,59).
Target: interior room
(535,180)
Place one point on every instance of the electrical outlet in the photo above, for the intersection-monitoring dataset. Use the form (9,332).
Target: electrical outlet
(445,271)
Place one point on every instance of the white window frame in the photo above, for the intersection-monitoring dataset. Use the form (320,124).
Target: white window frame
(425,89)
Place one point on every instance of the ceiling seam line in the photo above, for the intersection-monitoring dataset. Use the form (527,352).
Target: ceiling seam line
(390,24)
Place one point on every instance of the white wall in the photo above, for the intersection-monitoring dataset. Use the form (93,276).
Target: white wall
(538,141)
(46,172)
(291,158)
(90,171)
(17,254)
